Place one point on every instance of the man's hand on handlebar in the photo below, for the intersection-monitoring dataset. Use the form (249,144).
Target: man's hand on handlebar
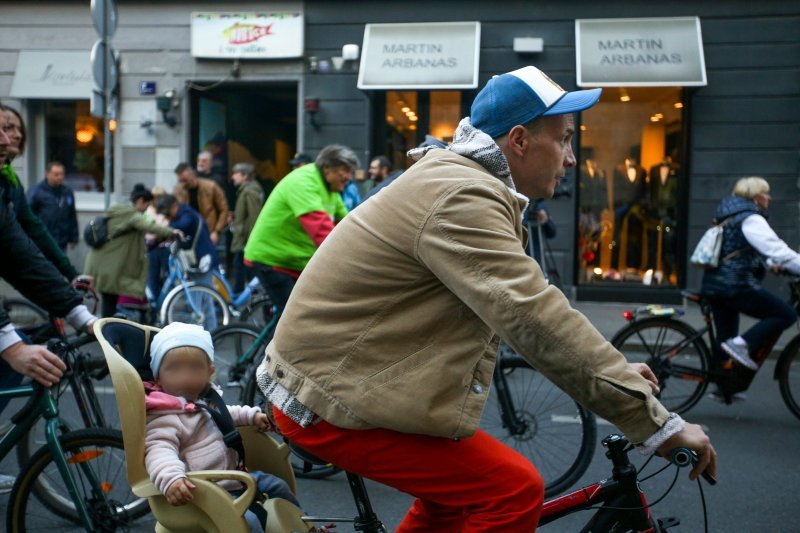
(693,437)
(36,362)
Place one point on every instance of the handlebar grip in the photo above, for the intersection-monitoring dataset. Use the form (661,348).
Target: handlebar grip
(685,457)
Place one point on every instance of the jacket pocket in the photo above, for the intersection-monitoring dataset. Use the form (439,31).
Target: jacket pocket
(395,371)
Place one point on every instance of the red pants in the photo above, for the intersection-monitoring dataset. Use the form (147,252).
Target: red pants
(472,484)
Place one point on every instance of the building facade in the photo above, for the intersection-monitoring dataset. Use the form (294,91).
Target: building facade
(654,159)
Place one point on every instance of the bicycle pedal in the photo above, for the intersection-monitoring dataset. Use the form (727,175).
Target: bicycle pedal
(668,522)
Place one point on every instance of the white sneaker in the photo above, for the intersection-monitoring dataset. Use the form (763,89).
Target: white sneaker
(739,353)
(6,483)
(737,397)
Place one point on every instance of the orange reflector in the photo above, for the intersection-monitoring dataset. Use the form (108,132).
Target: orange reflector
(84,457)
(106,487)
(689,377)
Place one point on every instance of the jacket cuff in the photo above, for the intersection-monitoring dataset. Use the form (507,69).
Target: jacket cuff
(673,425)
(80,317)
(8,337)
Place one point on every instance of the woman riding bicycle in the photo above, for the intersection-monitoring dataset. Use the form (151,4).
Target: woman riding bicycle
(299,214)
(735,286)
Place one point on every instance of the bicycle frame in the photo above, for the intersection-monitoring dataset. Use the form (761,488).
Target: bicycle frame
(42,404)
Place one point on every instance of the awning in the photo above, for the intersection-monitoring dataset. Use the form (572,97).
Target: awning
(420,56)
(641,52)
(58,75)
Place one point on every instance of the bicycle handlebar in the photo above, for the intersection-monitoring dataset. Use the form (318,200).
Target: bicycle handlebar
(681,457)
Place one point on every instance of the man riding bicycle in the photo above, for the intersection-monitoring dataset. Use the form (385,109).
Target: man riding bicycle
(383,358)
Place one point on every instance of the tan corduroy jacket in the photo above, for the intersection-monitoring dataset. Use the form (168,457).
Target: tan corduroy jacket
(395,321)
(211,202)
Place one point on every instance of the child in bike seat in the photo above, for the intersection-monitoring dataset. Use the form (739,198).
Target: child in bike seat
(181,433)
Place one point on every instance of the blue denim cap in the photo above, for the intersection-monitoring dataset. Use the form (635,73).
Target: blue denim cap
(522,95)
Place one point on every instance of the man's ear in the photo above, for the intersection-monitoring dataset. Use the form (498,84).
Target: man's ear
(517,140)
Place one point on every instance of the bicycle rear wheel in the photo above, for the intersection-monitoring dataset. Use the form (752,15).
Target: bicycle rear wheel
(90,453)
(197,304)
(556,434)
(675,352)
(788,374)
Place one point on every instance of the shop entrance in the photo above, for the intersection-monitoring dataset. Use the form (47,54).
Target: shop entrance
(252,123)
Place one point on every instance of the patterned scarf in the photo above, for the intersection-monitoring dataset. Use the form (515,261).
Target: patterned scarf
(474,144)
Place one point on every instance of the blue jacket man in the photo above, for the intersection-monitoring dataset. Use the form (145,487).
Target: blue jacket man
(54,203)
(184,218)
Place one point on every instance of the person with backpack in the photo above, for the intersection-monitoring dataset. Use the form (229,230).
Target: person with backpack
(749,245)
(119,265)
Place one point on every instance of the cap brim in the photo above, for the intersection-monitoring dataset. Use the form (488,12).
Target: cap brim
(574,101)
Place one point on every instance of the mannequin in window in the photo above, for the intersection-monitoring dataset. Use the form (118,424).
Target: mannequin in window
(664,184)
(629,182)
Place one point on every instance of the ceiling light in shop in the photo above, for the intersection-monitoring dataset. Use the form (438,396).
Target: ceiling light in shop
(413,127)
(678,105)
(654,119)
(389,118)
(84,135)
(583,127)
(659,115)
(414,118)
(624,98)
(406,109)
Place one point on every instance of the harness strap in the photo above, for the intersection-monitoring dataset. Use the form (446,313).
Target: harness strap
(215,406)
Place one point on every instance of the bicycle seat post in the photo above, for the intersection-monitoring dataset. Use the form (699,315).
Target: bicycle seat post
(366,521)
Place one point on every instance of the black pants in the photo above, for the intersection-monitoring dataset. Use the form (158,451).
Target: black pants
(242,274)
(776,315)
(108,304)
(278,285)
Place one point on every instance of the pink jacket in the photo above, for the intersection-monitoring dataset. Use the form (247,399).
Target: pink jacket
(180,438)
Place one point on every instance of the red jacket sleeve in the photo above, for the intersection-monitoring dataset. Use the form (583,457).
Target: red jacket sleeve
(318,225)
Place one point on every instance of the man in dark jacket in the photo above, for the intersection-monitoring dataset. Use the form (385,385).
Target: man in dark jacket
(54,203)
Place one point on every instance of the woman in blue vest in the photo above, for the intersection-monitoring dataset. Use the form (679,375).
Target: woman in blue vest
(749,245)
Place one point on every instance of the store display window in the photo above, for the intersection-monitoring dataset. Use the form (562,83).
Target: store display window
(629,190)
(75,138)
(410,115)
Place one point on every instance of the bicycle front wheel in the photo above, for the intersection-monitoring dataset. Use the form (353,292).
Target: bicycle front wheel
(96,460)
(553,431)
(675,352)
(789,376)
(234,350)
(197,304)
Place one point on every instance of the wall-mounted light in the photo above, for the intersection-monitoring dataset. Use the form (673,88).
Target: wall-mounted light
(167,104)
(623,95)
(112,125)
(350,52)
(528,45)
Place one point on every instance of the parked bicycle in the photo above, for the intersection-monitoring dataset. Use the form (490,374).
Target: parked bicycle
(524,410)
(681,358)
(78,475)
(619,500)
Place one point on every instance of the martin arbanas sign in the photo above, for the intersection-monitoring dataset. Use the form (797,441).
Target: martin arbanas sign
(639,52)
(420,56)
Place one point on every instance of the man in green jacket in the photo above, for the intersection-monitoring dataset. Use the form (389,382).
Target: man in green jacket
(382,361)
(249,200)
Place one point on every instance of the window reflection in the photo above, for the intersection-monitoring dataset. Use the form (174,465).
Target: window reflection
(76,139)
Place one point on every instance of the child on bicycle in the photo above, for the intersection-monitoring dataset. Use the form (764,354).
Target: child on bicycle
(181,435)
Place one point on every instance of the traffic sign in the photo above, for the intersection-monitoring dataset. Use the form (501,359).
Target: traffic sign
(104,17)
(102,57)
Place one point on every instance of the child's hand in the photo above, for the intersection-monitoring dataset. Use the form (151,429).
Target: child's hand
(180,492)
(262,422)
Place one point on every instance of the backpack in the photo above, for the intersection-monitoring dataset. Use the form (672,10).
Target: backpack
(706,253)
(95,234)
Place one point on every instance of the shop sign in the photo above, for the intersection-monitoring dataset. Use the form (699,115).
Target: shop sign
(53,74)
(255,35)
(420,56)
(641,52)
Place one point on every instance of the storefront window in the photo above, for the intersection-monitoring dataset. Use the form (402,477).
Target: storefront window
(410,115)
(629,180)
(76,138)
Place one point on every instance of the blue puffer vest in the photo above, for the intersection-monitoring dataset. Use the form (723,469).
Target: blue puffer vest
(745,269)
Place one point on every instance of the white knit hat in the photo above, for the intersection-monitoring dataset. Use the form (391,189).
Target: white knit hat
(176,335)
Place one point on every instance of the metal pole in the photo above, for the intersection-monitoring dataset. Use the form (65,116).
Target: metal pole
(106,119)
